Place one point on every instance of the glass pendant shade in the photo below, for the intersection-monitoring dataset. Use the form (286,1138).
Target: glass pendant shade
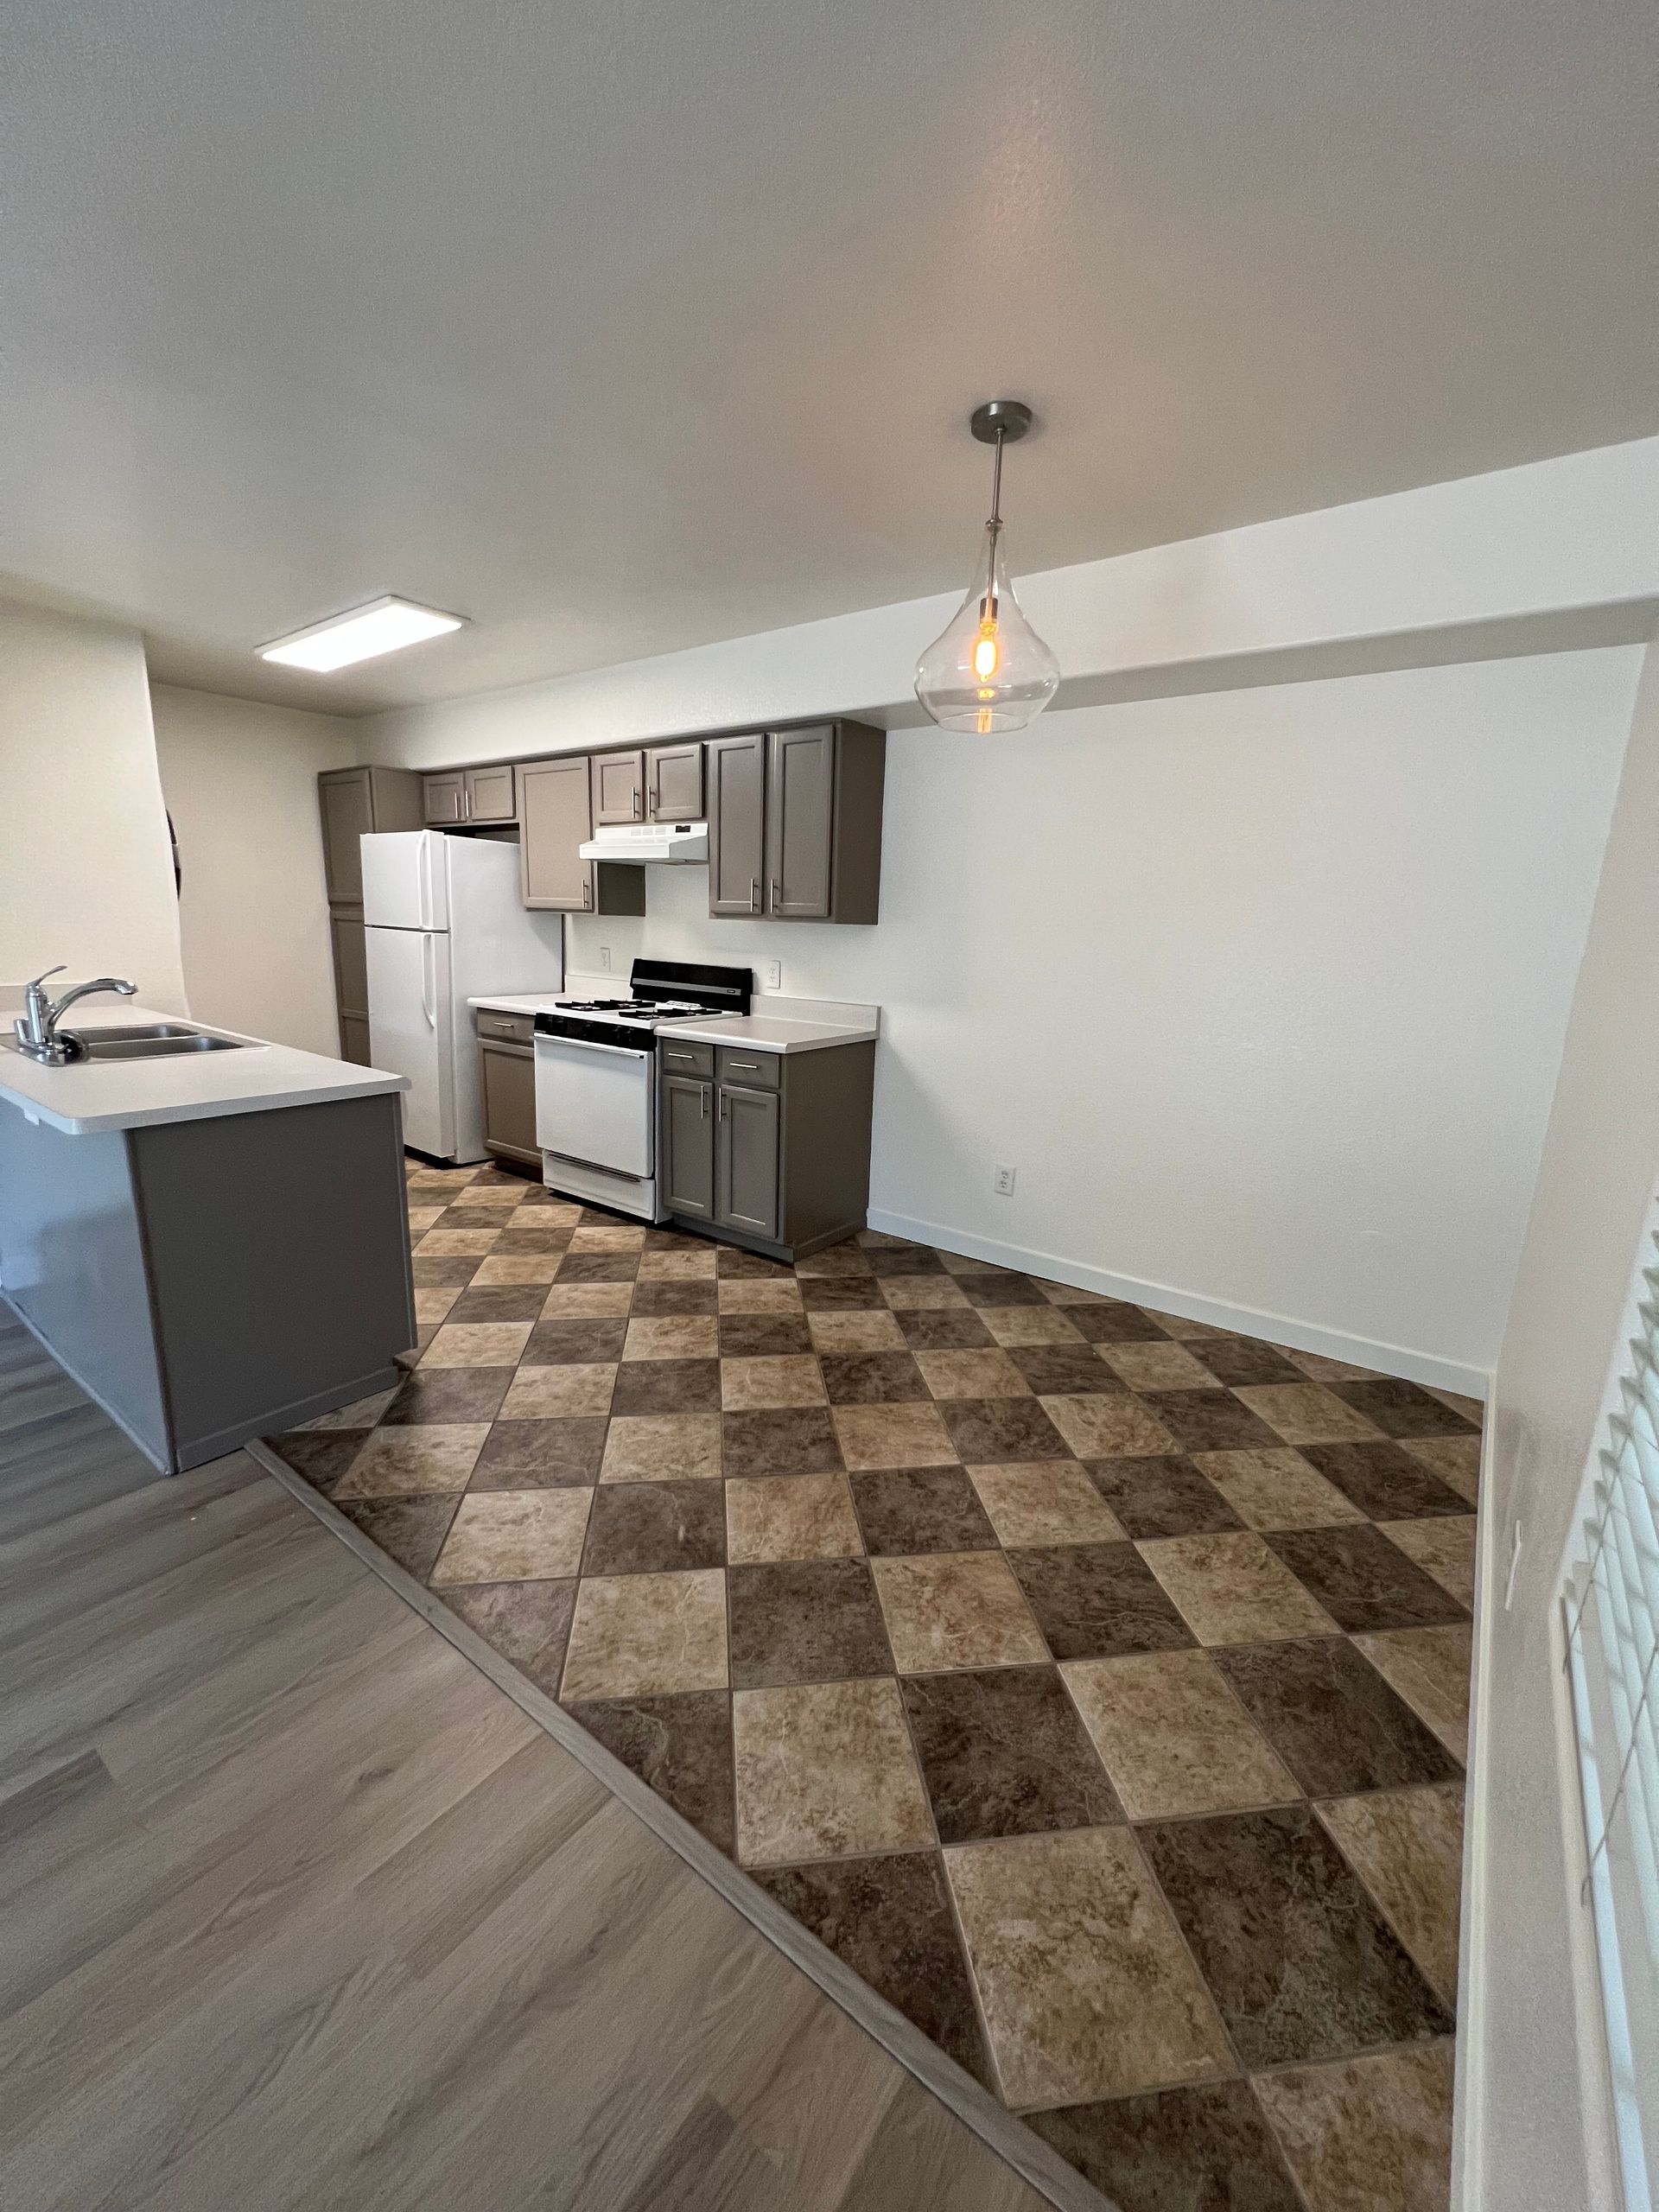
(987,672)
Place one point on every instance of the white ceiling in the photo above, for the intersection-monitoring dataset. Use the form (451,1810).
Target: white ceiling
(618,327)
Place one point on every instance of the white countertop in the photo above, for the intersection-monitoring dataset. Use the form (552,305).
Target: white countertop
(89,1096)
(529,1001)
(776,1025)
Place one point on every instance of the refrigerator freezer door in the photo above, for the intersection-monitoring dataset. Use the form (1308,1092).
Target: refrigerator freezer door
(408,1030)
(405,880)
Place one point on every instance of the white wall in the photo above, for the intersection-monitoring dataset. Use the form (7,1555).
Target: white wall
(1526,2144)
(85,872)
(240,781)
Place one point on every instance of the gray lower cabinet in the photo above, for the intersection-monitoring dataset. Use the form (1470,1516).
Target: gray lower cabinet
(769,1151)
(795,822)
(510,1103)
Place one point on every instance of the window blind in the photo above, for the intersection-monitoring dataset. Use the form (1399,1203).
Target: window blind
(1610,1617)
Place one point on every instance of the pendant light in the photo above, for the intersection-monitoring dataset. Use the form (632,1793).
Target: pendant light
(989,671)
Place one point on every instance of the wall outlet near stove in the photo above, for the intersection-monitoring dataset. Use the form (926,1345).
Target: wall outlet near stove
(774,975)
(605,958)
(1002,1182)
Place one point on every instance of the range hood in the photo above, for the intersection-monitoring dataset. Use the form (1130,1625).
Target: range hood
(649,840)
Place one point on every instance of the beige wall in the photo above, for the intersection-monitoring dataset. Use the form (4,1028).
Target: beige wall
(85,874)
(241,784)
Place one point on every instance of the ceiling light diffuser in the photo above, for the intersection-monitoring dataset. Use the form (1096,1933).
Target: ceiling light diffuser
(384,626)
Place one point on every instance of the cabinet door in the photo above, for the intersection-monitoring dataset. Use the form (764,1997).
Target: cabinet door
(510,1103)
(737,824)
(618,788)
(800,822)
(746,1188)
(350,963)
(688,1161)
(489,795)
(443,799)
(355,1039)
(554,817)
(674,784)
(348,815)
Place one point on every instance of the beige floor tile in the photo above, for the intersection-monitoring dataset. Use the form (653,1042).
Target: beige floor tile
(752,1385)
(1303,1414)
(1029,1324)
(421,1218)
(921,1294)
(956,1609)
(477,1343)
(606,1240)
(549,1393)
(869,1332)
(1173,1737)
(447,1179)
(1443,1545)
(553,1213)
(678,1267)
(504,1196)
(434,1304)
(1114,1425)
(662,1448)
(400,1462)
(1234,1589)
(982,1374)
(688,1335)
(790,1516)
(647,1635)
(1067,1293)
(1430,1668)
(457,1243)
(1045,1502)
(1407,1846)
(1455,1460)
(1158,1367)
(1276,1490)
(507,1267)
(584,1301)
(1319,1369)
(1087,1988)
(1370,2135)
(760,1296)
(825,1771)
(893,1436)
(515,1536)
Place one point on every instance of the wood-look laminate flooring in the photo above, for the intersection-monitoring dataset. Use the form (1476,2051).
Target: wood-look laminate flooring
(300,1910)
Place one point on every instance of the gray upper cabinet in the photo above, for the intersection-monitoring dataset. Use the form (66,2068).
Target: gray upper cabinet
(674,783)
(795,822)
(737,824)
(490,796)
(443,799)
(355,802)
(618,788)
(555,817)
(800,822)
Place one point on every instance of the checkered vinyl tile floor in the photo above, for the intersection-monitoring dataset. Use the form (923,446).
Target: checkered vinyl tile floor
(1092,1681)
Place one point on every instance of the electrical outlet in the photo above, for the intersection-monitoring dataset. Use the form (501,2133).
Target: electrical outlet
(775,975)
(1002,1182)
(605,958)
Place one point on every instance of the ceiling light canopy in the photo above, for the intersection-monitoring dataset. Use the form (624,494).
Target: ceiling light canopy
(989,671)
(384,626)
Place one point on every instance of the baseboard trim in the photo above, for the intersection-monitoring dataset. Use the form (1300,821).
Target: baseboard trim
(1423,1367)
(1013,2142)
(1468,2102)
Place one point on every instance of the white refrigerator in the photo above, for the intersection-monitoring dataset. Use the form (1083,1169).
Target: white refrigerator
(446,923)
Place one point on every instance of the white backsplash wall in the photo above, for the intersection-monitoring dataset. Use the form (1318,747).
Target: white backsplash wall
(1262,994)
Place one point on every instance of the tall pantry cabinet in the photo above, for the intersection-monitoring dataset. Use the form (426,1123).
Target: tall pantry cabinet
(353,802)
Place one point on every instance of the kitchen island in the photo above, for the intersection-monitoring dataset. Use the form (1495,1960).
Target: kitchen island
(211,1239)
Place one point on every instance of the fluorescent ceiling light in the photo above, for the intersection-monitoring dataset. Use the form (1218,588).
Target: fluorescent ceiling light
(384,626)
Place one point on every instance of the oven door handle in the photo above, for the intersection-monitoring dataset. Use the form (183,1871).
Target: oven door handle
(588,1045)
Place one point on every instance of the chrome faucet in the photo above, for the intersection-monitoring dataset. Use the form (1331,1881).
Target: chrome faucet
(36,1026)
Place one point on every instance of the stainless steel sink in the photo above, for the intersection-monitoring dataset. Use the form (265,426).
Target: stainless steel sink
(149,1040)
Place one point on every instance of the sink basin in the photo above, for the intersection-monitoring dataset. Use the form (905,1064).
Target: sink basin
(149,1042)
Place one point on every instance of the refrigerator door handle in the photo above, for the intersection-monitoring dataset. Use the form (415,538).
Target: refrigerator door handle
(428,982)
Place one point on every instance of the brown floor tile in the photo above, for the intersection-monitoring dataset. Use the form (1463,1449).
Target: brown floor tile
(1105,1321)
(514,1535)
(906,1510)
(646,1635)
(1002,1431)
(893,1436)
(999,1286)
(954,1609)
(1454,1459)
(680,1746)
(660,1301)
(527,1623)
(848,1259)
(359,1413)
(869,1378)
(672,1336)
(1312,1970)
(916,1293)
(662,1447)
(597,1267)
(1276,1490)
(1030,1325)
(409,1530)
(1234,1360)
(1115,1424)
(901,1259)
(1174,1738)
(746,1294)
(541,1454)
(1306,1413)
(1003,1753)
(1164,1366)
(516,1243)
(545,1393)
(753,1385)
(735,1264)
(763,1335)
(1384,1480)
(804,1621)
(856,1331)
(403,1462)
(667,1386)
(1429,1668)
(791,1516)
(1444,1548)
(1362,1580)
(319,1456)
(1407,1847)
(889,1919)
(469,1217)
(448,1395)
(1085,1987)
(1045,1502)
(1234,1589)
(793,1440)
(1163,1495)
(1403,1408)
(1062,1370)
(825,1771)
(501,1302)
(1205,2149)
(1333,1718)
(655,1528)
(1372,2133)
(660,1267)
(587,1301)
(840,1294)
(580,1343)
(943,1331)
(1094,1601)
(1204,1420)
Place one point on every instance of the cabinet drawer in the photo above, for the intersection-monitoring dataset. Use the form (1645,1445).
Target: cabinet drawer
(750,1071)
(696,1061)
(508,1028)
